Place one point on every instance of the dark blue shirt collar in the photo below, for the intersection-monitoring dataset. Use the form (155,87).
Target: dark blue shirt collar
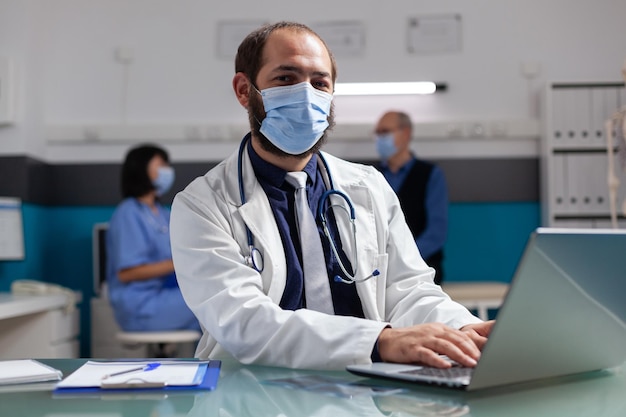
(408,164)
(397,179)
(274,175)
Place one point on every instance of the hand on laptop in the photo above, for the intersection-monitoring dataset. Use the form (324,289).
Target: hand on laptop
(424,343)
(479,332)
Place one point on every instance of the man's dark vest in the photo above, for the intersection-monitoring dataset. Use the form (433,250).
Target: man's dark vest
(412,196)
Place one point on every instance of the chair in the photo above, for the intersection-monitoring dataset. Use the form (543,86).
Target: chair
(152,343)
(478,296)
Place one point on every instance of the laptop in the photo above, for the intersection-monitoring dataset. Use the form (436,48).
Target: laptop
(564,314)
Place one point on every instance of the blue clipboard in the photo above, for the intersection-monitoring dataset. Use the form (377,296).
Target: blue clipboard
(208,383)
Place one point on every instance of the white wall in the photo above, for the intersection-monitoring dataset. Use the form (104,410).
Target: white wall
(20,42)
(67,74)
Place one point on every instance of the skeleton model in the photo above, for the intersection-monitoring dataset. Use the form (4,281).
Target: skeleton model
(615,128)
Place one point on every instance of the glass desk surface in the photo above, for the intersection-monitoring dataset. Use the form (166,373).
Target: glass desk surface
(255,391)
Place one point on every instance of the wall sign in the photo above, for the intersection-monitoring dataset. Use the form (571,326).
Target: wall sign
(434,34)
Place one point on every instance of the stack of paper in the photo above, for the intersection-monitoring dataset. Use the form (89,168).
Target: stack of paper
(24,371)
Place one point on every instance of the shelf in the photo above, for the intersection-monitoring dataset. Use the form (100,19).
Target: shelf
(580,149)
(510,129)
(574,156)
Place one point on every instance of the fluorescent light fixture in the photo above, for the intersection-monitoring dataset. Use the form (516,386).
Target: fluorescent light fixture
(388,88)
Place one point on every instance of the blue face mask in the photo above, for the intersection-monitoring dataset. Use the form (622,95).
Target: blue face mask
(164,180)
(385,145)
(296,116)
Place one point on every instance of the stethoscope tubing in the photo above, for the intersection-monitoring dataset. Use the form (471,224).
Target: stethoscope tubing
(255,259)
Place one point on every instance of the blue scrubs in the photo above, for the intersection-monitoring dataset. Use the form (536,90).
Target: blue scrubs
(137,236)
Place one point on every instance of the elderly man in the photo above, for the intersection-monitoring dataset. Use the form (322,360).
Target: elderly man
(420,185)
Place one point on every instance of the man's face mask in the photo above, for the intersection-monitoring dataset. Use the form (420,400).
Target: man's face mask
(296,116)
(386,145)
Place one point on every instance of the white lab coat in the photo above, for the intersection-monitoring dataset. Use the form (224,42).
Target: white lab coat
(238,307)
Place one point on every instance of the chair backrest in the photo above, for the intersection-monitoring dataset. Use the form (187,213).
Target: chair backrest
(99,250)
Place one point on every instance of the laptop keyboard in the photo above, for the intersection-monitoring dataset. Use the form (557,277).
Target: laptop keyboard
(454,372)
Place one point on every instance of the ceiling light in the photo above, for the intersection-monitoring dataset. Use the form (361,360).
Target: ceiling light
(387,88)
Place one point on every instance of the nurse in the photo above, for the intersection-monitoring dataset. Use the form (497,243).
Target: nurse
(143,290)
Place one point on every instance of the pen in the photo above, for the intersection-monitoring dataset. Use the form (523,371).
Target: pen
(146,368)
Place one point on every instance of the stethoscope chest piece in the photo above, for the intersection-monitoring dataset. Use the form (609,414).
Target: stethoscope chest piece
(255,259)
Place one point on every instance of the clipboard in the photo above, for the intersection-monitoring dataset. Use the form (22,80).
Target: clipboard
(207,383)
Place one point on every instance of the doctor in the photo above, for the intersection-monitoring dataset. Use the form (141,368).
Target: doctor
(236,247)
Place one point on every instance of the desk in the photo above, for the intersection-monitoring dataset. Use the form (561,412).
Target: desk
(242,392)
(37,326)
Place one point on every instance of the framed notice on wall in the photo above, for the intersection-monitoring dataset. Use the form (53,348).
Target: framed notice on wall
(434,34)
(345,39)
(11,229)
(6,93)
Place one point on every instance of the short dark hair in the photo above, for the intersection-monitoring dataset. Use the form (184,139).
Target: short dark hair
(250,52)
(135,180)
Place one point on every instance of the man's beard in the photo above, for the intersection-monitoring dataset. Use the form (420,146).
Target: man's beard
(256,114)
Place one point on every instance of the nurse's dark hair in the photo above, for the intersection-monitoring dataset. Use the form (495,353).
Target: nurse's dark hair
(135,180)
(249,59)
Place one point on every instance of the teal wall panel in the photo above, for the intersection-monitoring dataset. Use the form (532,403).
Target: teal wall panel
(58,249)
(69,256)
(70,249)
(486,240)
(35,222)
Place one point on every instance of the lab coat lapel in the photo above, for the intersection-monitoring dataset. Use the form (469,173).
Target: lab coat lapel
(366,237)
(367,257)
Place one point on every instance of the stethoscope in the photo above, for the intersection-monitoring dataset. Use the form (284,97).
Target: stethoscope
(255,258)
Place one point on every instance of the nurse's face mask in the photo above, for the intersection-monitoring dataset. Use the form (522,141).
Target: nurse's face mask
(164,180)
